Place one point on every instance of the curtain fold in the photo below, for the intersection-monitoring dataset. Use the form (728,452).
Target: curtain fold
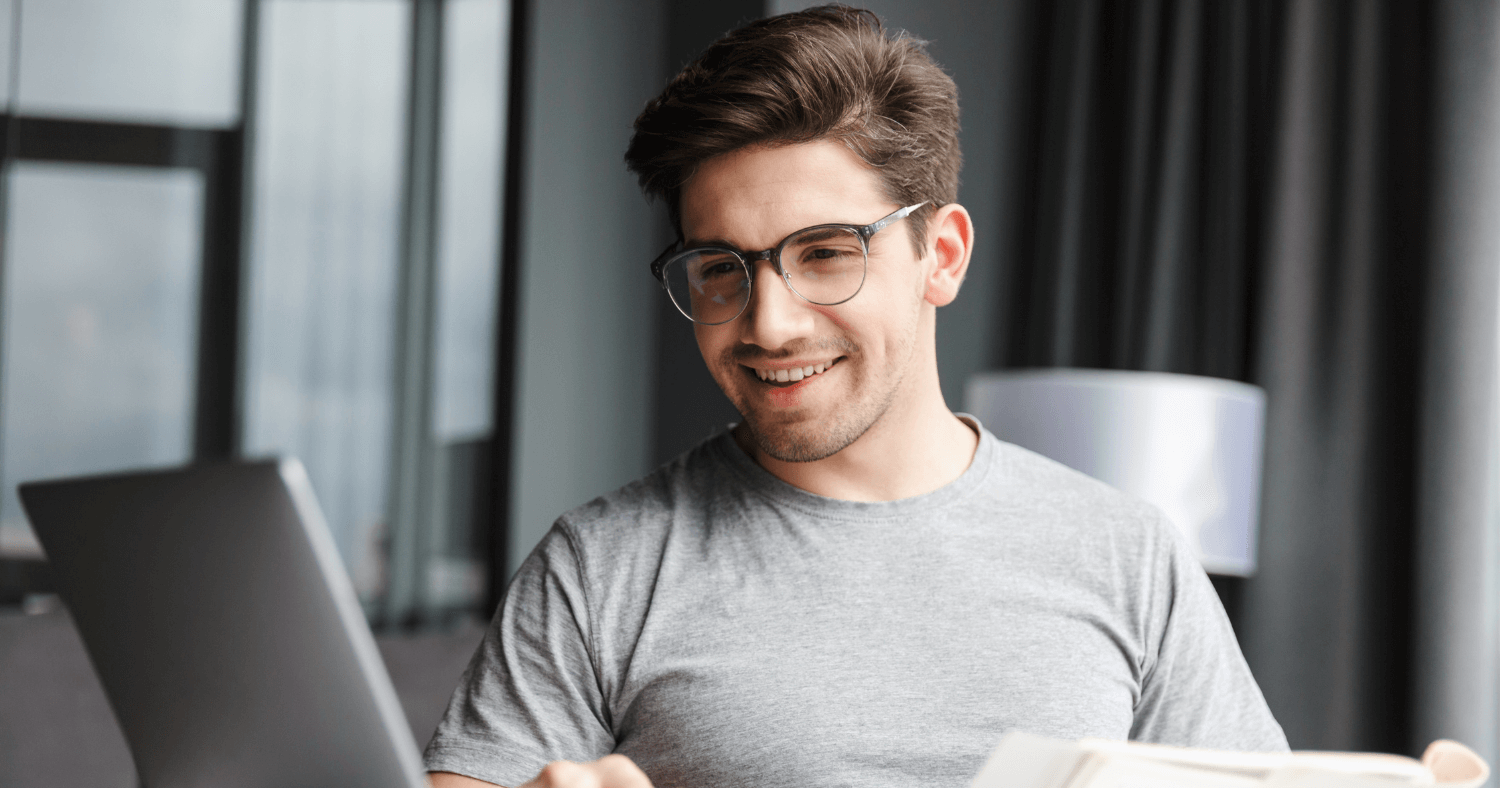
(1458,566)
(1305,195)
(1145,150)
(1326,623)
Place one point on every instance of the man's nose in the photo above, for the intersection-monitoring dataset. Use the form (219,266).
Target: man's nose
(775,314)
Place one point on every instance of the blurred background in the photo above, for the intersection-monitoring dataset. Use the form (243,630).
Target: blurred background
(396,239)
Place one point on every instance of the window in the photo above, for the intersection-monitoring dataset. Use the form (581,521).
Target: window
(267,227)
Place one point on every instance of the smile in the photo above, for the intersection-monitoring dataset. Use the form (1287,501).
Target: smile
(793,374)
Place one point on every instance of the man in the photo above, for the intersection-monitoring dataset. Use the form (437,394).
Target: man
(853,586)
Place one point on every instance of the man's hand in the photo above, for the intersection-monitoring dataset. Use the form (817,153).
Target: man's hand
(611,771)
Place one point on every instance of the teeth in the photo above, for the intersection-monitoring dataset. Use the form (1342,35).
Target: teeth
(791,375)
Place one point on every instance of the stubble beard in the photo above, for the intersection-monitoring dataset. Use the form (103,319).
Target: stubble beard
(804,441)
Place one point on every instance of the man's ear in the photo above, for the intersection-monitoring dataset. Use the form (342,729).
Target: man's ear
(950,241)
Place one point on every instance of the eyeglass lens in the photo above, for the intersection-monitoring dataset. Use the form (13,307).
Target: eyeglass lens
(825,265)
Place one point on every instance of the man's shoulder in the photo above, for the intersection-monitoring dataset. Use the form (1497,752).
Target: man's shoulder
(685,483)
(1041,476)
(1048,491)
(620,541)
(1092,534)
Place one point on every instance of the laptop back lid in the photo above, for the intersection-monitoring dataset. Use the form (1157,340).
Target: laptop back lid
(218,615)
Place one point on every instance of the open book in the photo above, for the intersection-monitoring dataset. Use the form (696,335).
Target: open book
(1026,761)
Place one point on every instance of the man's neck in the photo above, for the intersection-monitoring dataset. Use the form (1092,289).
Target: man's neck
(909,451)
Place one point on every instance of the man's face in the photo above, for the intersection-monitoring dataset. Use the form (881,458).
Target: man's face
(866,347)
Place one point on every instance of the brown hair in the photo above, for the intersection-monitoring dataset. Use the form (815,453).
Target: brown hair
(830,72)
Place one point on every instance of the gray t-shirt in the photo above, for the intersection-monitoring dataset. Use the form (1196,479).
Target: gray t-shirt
(723,628)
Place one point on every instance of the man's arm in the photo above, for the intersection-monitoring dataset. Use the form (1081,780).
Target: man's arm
(611,771)
(1198,691)
(530,695)
(451,780)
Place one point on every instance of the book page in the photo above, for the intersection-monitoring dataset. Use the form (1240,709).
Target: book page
(1109,771)
(1025,760)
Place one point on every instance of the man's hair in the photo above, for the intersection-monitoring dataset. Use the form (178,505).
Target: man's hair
(831,72)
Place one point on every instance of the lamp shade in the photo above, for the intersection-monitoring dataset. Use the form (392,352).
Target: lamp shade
(1190,445)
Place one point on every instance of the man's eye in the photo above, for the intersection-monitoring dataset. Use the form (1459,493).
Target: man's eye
(720,269)
(826,254)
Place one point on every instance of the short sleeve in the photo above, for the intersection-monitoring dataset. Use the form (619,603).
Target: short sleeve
(531,693)
(1197,690)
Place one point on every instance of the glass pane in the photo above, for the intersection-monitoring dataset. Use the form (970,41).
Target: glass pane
(323,260)
(101,290)
(453,556)
(164,61)
(7,47)
(475,33)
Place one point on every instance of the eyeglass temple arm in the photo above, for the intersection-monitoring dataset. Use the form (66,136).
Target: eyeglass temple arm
(870,229)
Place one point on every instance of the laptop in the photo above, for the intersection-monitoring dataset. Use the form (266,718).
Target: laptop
(217,612)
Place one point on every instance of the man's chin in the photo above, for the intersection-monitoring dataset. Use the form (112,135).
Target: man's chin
(799,442)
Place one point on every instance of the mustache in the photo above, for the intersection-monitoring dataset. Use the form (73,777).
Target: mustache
(743,354)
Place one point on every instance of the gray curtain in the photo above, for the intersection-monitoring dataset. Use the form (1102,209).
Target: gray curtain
(1303,195)
(1458,542)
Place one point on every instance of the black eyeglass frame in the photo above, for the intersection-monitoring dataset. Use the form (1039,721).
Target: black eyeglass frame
(748,259)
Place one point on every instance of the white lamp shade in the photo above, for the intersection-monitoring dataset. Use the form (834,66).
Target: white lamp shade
(1190,445)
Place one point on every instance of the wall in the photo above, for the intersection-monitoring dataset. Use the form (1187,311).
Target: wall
(586,315)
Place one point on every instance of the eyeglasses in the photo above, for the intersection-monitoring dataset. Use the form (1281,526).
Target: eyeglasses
(824,264)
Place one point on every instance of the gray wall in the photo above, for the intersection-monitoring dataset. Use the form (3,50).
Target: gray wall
(586,311)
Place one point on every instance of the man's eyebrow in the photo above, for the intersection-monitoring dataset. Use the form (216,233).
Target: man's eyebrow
(693,243)
(840,231)
(839,228)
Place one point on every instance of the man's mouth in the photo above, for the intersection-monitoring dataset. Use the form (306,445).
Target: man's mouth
(782,378)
